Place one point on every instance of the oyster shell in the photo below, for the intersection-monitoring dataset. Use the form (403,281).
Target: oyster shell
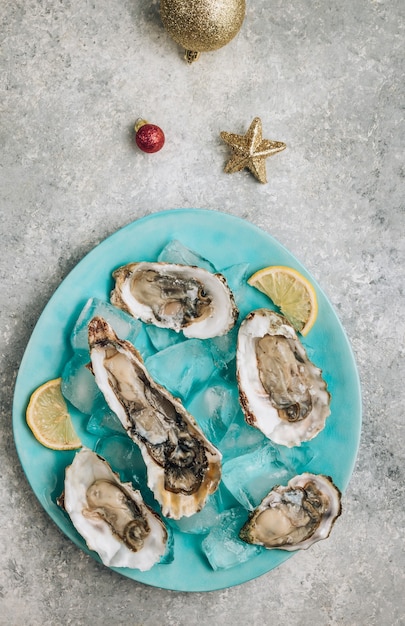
(282,393)
(179,297)
(183,467)
(296,516)
(110,515)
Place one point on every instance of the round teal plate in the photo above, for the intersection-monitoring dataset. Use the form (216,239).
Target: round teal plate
(224,240)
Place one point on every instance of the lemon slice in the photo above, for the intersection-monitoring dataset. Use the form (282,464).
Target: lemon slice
(291,292)
(49,419)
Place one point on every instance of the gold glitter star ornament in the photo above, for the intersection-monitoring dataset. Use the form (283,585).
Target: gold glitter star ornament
(251,150)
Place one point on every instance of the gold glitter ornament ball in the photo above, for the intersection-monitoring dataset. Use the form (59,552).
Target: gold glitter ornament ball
(202,25)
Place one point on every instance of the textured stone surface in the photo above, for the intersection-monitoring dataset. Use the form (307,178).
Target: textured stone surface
(326,79)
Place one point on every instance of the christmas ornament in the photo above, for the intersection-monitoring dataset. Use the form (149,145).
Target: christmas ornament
(202,25)
(149,137)
(251,150)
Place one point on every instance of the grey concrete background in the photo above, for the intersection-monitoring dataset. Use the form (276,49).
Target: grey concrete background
(326,78)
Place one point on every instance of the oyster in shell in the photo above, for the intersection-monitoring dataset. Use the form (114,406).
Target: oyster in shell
(181,297)
(282,393)
(296,516)
(110,515)
(183,467)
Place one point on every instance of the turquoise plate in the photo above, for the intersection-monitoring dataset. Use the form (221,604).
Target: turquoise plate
(224,240)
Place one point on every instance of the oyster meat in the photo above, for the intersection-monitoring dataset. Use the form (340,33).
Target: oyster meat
(282,393)
(183,467)
(181,297)
(296,516)
(110,515)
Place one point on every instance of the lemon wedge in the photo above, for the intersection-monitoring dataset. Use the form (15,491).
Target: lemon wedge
(291,292)
(49,419)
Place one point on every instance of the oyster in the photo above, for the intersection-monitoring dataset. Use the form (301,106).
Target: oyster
(179,297)
(183,467)
(295,516)
(282,393)
(111,516)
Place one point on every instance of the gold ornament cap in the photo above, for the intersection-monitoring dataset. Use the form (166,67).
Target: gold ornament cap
(202,25)
(139,122)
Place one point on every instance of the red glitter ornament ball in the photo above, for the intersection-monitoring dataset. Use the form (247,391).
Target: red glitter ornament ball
(149,137)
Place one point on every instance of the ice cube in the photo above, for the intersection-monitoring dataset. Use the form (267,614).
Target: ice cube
(78,384)
(182,368)
(176,252)
(162,338)
(124,457)
(228,373)
(296,459)
(222,545)
(214,408)
(223,348)
(236,275)
(250,477)
(240,438)
(123,324)
(143,343)
(202,522)
(104,422)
